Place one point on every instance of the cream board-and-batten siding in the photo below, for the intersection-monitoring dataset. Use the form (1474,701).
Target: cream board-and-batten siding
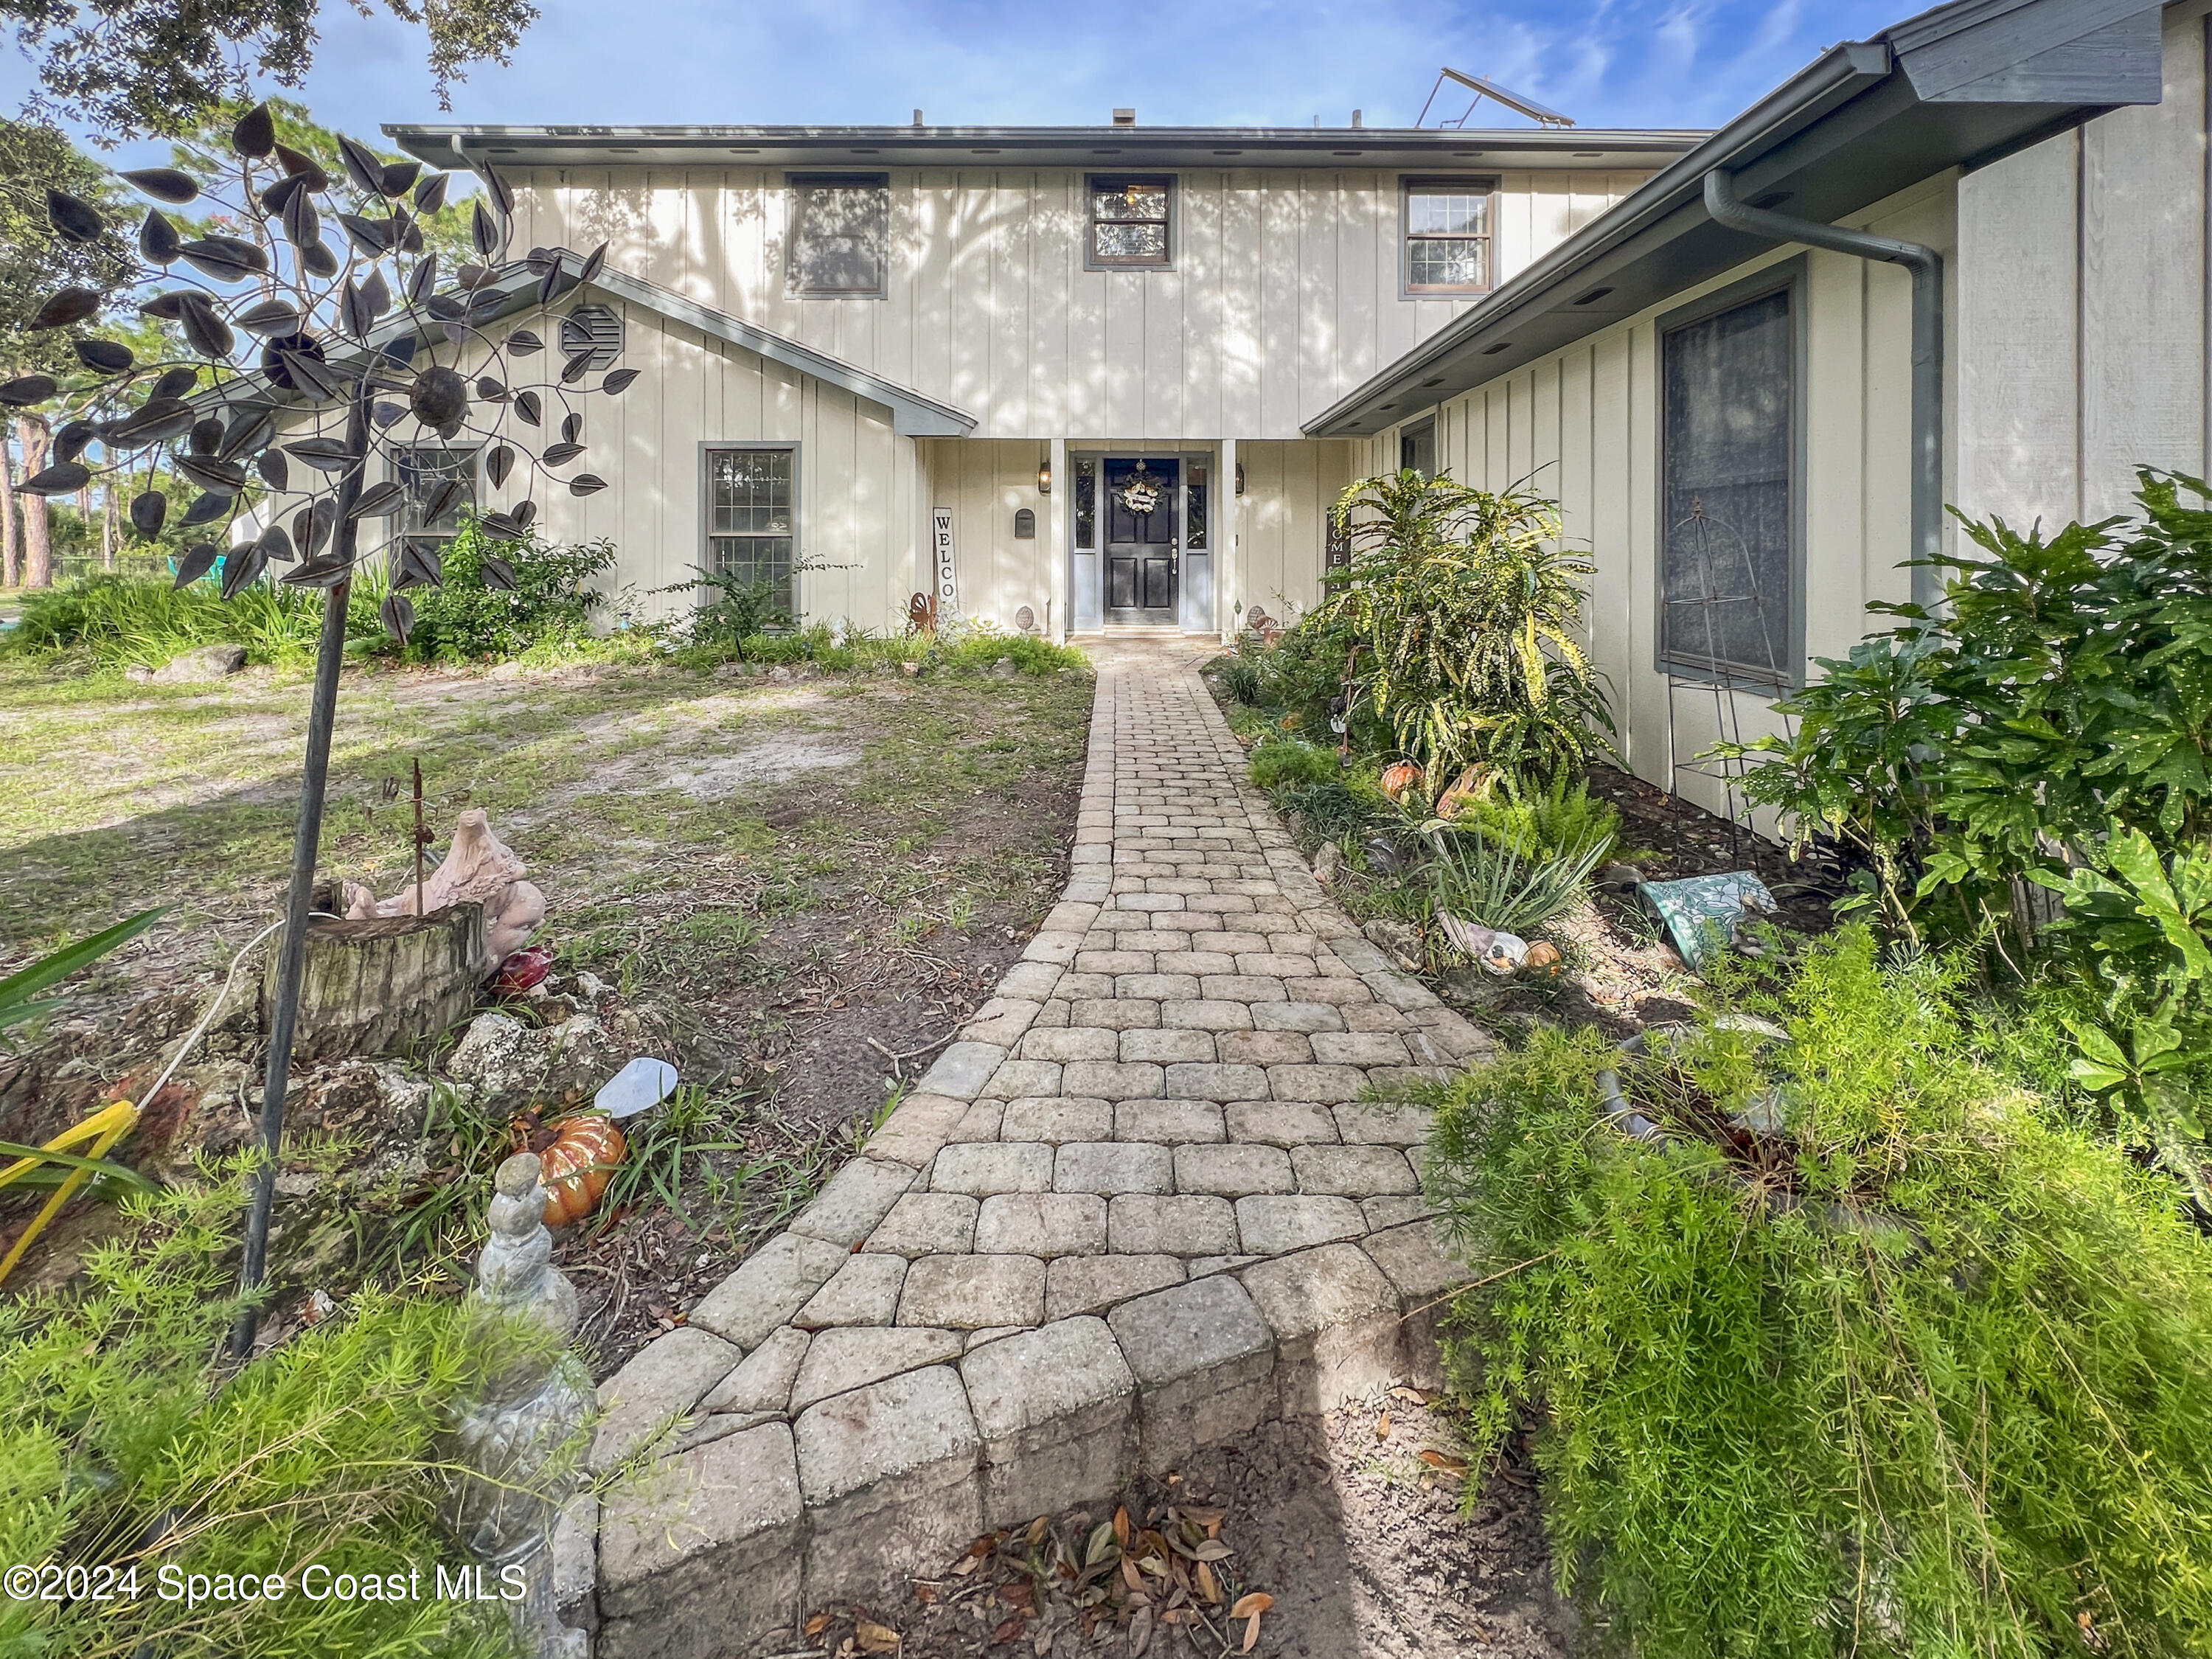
(2082,318)
(1582,426)
(1284,293)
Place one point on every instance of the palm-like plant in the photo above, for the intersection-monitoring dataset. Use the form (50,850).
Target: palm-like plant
(1460,612)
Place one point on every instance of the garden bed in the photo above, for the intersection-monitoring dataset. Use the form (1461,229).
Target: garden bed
(781,879)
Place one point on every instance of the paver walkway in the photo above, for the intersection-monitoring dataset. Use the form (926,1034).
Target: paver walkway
(1140,1206)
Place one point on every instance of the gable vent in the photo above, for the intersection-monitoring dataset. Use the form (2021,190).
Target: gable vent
(594,329)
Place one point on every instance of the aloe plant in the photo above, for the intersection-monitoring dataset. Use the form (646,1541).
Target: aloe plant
(1486,881)
(19,993)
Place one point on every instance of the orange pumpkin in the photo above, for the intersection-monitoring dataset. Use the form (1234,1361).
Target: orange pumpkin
(578,1164)
(1398,778)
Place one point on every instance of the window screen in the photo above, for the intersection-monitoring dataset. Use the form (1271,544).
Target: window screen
(840,234)
(1728,563)
(1129,221)
(1194,511)
(1448,235)
(749,521)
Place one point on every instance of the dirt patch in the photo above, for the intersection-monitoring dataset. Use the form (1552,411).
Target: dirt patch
(1354,1528)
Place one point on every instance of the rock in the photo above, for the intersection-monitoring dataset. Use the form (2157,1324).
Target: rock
(1003,669)
(1328,863)
(501,1058)
(1383,857)
(913,669)
(1619,878)
(586,1056)
(1401,938)
(202,663)
(591,988)
(138,672)
(780,674)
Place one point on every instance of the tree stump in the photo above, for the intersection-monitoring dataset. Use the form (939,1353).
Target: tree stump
(373,986)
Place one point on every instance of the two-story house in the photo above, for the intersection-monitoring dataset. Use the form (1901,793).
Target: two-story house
(1058,377)
(1096,378)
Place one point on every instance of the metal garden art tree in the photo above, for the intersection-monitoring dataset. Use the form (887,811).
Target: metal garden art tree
(299,359)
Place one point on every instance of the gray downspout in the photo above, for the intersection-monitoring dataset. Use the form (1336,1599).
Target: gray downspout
(1926,265)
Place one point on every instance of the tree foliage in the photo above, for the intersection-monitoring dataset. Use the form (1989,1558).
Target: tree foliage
(132,67)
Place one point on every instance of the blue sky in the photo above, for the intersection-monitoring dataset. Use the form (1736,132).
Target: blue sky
(1621,62)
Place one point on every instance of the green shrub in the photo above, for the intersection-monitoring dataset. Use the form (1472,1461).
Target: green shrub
(1493,884)
(1544,822)
(125,620)
(978,648)
(549,608)
(1931,1375)
(1278,762)
(2059,690)
(1241,679)
(1456,623)
(120,1442)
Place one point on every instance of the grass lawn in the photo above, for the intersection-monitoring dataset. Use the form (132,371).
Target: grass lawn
(790,879)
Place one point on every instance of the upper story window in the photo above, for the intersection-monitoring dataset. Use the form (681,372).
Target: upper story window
(1448,235)
(1416,448)
(1132,222)
(841,235)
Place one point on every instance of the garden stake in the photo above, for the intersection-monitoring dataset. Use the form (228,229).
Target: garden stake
(292,959)
(421,838)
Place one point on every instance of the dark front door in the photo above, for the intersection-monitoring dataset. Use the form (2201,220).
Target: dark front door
(1141,545)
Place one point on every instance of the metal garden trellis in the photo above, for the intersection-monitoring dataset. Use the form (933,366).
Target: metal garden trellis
(342,346)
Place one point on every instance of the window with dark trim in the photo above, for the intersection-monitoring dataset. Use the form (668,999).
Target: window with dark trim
(1727,560)
(424,471)
(1449,235)
(752,520)
(1416,448)
(1131,221)
(840,233)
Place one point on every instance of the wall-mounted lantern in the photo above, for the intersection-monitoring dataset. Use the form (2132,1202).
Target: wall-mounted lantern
(1240,478)
(1044,474)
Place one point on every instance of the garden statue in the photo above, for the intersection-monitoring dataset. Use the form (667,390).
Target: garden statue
(520,1441)
(478,868)
(296,368)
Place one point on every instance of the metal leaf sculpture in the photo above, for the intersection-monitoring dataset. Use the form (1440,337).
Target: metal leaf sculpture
(317,354)
(336,357)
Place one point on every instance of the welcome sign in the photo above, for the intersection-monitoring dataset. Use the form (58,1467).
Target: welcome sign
(947,589)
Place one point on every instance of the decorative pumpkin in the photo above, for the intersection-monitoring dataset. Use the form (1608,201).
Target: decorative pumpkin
(1398,778)
(1542,959)
(578,1162)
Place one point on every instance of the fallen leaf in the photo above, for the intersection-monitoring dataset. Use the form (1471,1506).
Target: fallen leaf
(817,1624)
(1007,1631)
(1135,1579)
(1450,1465)
(1140,1632)
(1208,1586)
(1212,1549)
(1251,1606)
(1411,1396)
(1251,1634)
(1038,1528)
(1019,1594)
(1382,1427)
(1121,1527)
(1174,1479)
(925,1593)
(874,1638)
